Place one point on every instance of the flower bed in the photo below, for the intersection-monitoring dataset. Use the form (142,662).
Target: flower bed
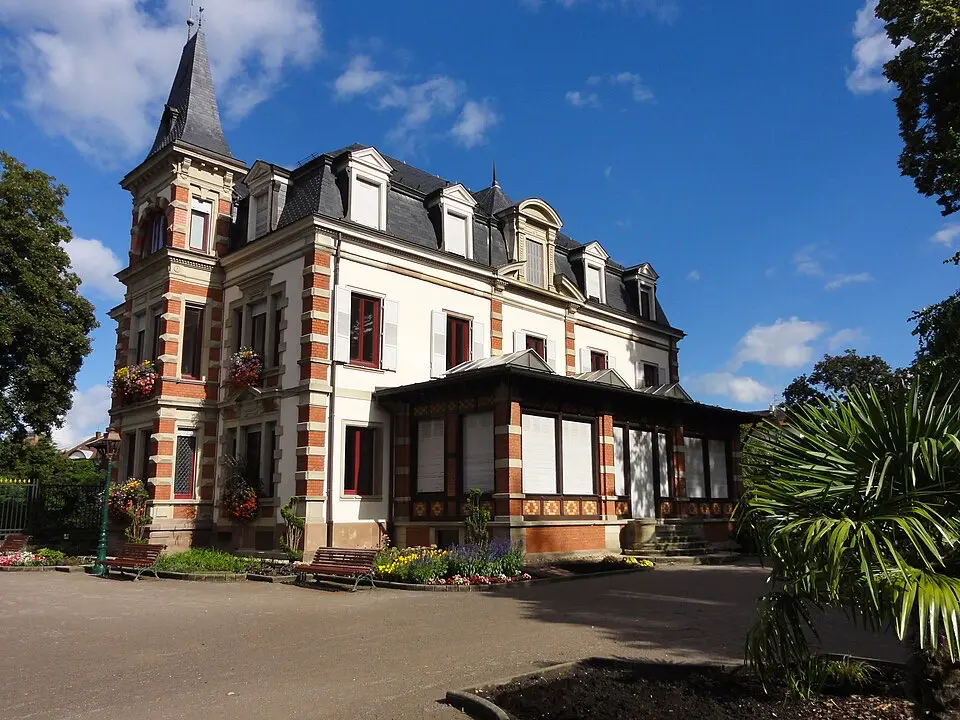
(44,557)
(494,563)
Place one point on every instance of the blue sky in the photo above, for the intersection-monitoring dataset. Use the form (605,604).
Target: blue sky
(747,152)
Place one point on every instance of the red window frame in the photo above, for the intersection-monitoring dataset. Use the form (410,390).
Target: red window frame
(354,483)
(538,345)
(458,341)
(359,305)
(598,360)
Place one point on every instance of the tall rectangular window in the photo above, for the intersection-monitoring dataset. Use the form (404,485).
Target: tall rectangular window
(262,217)
(146,450)
(269,461)
(140,329)
(199,225)
(430,455)
(359,462)
(258,327)
(237,329)
(646,303)
(538,345)
(157,349)
(458,341)
(191,359)
(184,476)
(277,330)
(577,439)
(366,203)
(158,233)
(365,330)
(253,458)
(594,278)
(719,488)
(538,450)
(693,466)
(478,452)
(651,375)
(455,234)
(130,440)
(598,360)
(534,269)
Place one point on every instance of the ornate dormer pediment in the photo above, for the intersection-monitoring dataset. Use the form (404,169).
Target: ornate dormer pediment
(510,270)
(370,159)
(595,250)
(259,174)
(568,289)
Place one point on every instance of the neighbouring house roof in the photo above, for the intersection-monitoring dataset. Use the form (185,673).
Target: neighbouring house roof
(669,390)
(191,115)
(521,358)
(82,450)
(314,188)
(602,390)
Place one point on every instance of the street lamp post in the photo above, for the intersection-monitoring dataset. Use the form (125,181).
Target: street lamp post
(106,448)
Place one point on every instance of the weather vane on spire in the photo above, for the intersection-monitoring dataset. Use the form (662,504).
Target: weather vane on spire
(200,18)
(190,20)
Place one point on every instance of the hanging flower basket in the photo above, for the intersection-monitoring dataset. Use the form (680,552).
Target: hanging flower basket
(240,504)
(128,507)
(135,382)
(246,368)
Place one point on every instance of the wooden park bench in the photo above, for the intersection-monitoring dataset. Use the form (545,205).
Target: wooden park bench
(14,543)
(340,562)
(138,558)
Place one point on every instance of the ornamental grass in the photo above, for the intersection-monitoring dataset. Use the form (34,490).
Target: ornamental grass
(198,560)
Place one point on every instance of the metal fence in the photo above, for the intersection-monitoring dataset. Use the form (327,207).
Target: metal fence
(55,514)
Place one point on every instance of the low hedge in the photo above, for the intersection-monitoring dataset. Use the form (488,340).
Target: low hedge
(199,560)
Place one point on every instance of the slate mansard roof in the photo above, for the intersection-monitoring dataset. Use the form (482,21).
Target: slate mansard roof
(314,188)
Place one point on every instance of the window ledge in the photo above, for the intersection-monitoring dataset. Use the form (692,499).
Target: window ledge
(192,381)
(367,368)
(361,497)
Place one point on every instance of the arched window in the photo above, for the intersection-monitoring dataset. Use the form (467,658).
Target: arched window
(156,233)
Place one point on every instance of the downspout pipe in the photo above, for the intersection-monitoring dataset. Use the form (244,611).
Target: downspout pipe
(331,406)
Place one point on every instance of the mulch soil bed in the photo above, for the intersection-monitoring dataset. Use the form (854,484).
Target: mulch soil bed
(658,691)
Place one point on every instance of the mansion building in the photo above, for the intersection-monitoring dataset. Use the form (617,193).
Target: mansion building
(414,340)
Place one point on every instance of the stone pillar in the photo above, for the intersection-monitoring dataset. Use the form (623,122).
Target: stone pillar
(496,327)
(508,467)
(679,463)
(312,416)
(607,489)
(570,348)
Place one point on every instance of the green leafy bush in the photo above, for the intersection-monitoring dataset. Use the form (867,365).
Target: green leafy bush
(410,565)
(205,560)
(50,557)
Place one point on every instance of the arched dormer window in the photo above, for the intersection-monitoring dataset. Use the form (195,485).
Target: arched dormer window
(156,233)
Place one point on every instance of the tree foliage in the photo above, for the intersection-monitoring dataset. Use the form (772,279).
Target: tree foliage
(926,71)
(858,506)
(44,321)
(42,461)
(938,331)
(833,374)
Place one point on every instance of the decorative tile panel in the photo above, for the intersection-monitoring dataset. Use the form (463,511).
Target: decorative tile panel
(436,509)
(666,509)
(551,507)
(589,507)
(622,508)
(571,507)
(420,509)
(531,507)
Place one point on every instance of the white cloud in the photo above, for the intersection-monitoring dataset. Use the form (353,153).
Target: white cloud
(739,388)
(607,170)
(786,343)
(665,11)
(97,72)
(871,51)
(946,235)
(88,413)
(845,338)
(420,103)
(96,264)
(579,99)
(358,78)
(639,91)
(840,280)
(693,275)
(474,121)
(805,261)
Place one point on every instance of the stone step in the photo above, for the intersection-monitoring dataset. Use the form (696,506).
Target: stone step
(691,548)
(718,558)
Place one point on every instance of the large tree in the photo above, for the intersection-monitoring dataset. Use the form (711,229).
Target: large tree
(938,330)
(44,321)
(926,70)
(834,374)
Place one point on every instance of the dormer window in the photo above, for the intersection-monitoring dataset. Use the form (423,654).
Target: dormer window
(646,302)
(534,267)
(268,193)
(454,221)
(595,284)
(157,228)
(199,225)
(261,213)
(642,279)
(367,175)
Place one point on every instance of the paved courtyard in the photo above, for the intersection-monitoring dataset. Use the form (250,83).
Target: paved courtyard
(73,646)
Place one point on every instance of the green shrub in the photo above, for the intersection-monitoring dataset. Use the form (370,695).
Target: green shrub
(410,565)
(50,557)
(205,560)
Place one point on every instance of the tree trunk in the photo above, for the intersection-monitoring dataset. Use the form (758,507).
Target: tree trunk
(935,679)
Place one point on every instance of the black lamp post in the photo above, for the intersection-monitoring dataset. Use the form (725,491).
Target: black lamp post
(107,446)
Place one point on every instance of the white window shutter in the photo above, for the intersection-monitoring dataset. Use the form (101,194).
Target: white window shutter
(611,362)
(479,340)
(519,340)
(341,340)
(638,374)
(552,355)
(391,334)
(438,343)
(584,360)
